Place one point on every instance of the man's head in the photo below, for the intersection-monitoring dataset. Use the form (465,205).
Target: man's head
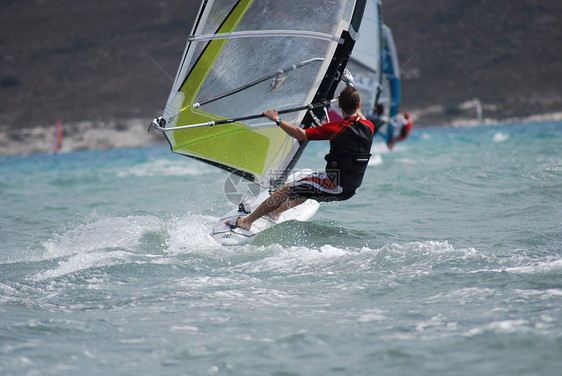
(349,100)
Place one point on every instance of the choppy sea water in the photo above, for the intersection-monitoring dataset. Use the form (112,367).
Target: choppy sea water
(447,262)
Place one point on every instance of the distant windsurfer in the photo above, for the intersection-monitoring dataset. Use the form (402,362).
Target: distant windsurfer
(406,126)
(350,144)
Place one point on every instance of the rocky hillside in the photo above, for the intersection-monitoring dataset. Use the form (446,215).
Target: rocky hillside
(108,60)
(503,52)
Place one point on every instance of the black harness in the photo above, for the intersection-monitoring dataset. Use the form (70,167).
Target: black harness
(349,155)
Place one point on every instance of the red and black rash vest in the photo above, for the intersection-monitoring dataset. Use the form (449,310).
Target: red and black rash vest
(350,146)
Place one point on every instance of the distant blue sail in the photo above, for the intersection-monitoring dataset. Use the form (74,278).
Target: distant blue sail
(391,70)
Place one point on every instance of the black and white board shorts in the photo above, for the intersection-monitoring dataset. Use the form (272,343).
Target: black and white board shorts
(319,187)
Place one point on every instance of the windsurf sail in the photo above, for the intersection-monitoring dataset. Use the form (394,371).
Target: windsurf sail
(374,63)
(366,63)
(57,137)
(247,56)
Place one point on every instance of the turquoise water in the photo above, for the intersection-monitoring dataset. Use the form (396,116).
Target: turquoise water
(447,262)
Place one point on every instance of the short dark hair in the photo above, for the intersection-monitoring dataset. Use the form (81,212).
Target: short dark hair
(349,100)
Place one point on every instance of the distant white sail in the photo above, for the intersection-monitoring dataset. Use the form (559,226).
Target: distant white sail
(366,63)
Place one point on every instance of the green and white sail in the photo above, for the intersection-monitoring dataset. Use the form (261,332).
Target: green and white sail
(244,57)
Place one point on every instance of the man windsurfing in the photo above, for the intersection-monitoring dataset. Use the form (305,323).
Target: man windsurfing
(350,145)
(406,127)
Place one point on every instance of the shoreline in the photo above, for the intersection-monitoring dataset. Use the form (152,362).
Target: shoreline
(538,118)
(99,135)
(83,135)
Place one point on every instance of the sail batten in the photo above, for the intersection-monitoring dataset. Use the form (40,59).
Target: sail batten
(245,57)
(265,33)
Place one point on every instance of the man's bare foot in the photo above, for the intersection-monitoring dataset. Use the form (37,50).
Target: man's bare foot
(243,224)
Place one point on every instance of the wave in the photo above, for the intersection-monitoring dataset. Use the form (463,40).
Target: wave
(500,137)
(533,267)
(165,167)
(290,247)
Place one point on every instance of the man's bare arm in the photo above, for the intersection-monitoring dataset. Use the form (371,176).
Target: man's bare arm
(290,129)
